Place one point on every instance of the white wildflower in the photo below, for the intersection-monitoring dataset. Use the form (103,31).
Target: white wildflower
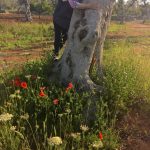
(12,96)
(28,76)
(7,104)
(84,128)
(37,126)
(38,77)
(18,97)
(76,136)
(60,115)
(68,111)
(25,116)
(5,117)
(54,141)
(13,128)
(97,144)
(17,92)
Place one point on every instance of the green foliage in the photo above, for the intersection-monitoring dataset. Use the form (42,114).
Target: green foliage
(43,7)
(115,28)
(10,139)
(42,118)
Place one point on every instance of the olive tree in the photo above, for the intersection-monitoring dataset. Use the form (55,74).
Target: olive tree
(85,42)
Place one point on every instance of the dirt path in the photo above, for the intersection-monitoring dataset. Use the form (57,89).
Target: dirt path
(135,128)
(132,29)
(11,17)
(15,58)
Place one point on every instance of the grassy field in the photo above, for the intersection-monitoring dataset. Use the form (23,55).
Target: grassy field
(19,42)
(24,35)
(35,114)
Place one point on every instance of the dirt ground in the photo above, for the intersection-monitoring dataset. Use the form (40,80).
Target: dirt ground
(132,29)
(16,58)
(11,17)
(135,126)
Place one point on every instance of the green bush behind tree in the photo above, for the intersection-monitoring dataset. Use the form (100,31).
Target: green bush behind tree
(42,8)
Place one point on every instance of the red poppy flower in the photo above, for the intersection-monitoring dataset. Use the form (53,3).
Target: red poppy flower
(55,101)
(42,94)
(16,82)
(70,86)
(24,85)
(100,136)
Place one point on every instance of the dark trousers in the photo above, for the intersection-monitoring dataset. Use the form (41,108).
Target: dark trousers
(60,37)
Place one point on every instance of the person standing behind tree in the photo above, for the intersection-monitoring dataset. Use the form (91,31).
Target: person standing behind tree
(61,20)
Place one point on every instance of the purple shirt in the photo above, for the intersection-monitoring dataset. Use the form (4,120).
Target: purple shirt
(74,3)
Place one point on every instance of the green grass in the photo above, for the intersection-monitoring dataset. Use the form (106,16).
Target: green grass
(116,27)
(23,35)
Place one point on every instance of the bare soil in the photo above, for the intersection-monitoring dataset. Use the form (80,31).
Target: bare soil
(135,128)
(16,58)
(12,17)
(132,29)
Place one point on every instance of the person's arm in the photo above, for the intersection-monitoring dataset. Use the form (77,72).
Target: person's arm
(88,6)
(76,4)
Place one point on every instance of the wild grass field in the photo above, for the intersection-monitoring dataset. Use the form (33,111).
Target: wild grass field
(36,114)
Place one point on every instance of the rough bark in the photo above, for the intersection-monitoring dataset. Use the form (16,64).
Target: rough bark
(106,17)
(26,4)
(28,11)
(86,36)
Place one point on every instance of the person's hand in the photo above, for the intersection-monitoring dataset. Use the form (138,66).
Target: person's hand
(94,5)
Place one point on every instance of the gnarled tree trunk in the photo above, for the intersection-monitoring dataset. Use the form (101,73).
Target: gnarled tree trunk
(85,40)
